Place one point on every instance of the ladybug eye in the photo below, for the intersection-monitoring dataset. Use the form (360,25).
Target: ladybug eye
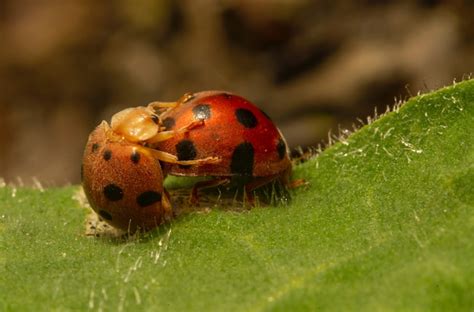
(155,119)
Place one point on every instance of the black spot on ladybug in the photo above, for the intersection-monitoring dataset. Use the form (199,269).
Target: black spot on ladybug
(113,193)
(104,214)
(242,159)
(227,96)
(202,111)
(281,148)
(185,150)
(266,115)
(155,119)
(246,118)
(95,147)
(135,157)
(107,154)
(148,198)
(169,123)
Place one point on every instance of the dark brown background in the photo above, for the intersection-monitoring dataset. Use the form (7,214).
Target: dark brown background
(312,65)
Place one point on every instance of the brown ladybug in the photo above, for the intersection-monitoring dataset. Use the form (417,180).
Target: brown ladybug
(234,129)
(122,177)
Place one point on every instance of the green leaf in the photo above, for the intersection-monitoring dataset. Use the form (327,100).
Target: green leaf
(386,223)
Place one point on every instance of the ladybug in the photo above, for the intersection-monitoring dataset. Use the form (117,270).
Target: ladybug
(242,135)
(122,177)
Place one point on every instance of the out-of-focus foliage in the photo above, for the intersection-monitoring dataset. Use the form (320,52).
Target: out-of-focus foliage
(312,65)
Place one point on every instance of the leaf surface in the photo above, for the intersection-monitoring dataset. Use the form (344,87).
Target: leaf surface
(386,223)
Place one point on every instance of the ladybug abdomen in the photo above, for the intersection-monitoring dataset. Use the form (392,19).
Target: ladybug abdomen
(123,184)
(234,129)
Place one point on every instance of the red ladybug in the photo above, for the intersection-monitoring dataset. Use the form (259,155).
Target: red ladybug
(234,129)
(122,178)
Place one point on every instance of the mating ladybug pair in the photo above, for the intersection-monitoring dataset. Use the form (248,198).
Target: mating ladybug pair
(211,133)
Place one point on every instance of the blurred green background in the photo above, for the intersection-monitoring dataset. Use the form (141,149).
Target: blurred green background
(311,65)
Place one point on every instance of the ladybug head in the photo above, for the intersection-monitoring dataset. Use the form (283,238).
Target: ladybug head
(136,124)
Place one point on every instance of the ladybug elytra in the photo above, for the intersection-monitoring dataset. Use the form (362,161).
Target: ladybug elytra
(234,129)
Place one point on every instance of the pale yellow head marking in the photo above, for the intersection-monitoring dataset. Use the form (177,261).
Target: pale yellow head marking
(136,124)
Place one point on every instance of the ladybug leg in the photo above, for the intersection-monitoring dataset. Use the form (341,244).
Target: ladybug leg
(170,158)
(296,183)
(255,184)
(261,181)
(166,204)
(194,197)
(166,135)
(285,179)
(157,105)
